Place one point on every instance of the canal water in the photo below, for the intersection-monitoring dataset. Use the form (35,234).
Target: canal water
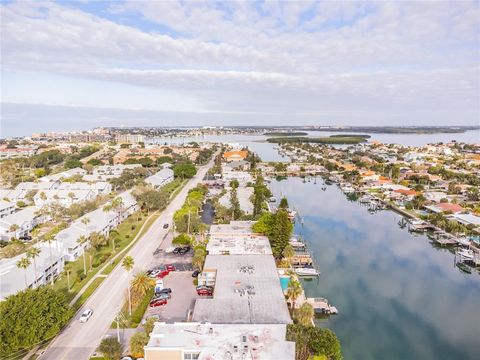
(398,296)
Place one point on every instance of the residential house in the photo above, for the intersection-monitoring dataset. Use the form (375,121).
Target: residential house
(6,208)
(161,178)
(25,220)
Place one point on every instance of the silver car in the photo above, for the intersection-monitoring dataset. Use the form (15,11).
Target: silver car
(86,315)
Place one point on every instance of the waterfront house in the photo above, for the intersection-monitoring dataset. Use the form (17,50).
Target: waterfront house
(237,155)
(445,207)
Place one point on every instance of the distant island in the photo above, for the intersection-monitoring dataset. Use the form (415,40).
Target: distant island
(333,139)
(398,129)
(285,133)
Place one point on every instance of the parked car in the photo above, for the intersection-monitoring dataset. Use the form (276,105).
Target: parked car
(205,292)
(162,273)
(170,267)
(158,302)
(26,237)
(164,291)
(176,250)
(161,296)
(170,250)
(153,273)
(86,315)
(195,273)
(184,250)
(165,226)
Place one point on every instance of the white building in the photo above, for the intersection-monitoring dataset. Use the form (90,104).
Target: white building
(161,178)
(243,194)
(64,175)
(181,341)
(6,208)
(237,238)
(25,219)
(242,177)
(105,172)
(49,263)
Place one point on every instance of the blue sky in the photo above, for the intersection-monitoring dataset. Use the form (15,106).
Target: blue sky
(70,65)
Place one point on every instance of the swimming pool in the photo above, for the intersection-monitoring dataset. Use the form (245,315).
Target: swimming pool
(284,280)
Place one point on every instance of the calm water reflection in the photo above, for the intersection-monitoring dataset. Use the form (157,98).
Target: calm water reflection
(398,297)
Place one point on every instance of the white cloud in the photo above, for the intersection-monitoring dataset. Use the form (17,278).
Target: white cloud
(386,57)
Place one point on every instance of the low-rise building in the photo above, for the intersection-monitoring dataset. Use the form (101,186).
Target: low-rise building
(235,155)
(181,341)
(105,172)
(64,175)
(161,178)
(6,208)
(20,223)
(246,291)
(237,238)
(50,262)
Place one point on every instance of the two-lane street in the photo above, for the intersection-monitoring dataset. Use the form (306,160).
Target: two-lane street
(79,340)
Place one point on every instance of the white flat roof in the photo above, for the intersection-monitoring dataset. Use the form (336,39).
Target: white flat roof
(247,291)
(222,341)
(239,245)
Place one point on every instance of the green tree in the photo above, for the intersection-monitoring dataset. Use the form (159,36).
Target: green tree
(305,314)
(234,184)
(283,203)
(182,239)
(140,285)
(40,172)
(24,263)
(311,341)
(294,290)
(137,343)
(282,232)
(288,252)
(235,204)
(30,316)
(72,163)
(110,348)
(184,170)
(153,200)
(95,162)
(82,240)
(128,264)
(33,253)
(149,325)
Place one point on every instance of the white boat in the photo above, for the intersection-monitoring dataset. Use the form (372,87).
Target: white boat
(466,254)
(305,271)
(463,241)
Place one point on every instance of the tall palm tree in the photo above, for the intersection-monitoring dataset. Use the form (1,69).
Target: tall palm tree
(49,239)
(128,264)
(68,270)
(113,234)
(24,263)
(140,284)
(82,240)
(85,221)
(33,253)
(294,290)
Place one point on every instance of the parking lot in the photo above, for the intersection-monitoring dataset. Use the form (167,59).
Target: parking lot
(183,298)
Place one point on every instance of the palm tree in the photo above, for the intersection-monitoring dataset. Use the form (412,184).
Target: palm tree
(113,234)
(85,221)
(305,314)
(68,269)
(288,252)
(24,263)
(95,240)
(33,253)
(127,264)
(13,228)
(49,239)
(294,290)
(140,284)
(117,205)
(82,240)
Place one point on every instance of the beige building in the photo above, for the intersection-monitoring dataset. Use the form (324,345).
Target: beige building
(188,341)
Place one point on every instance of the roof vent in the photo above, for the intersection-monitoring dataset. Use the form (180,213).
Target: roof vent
(244,338)
(210,330)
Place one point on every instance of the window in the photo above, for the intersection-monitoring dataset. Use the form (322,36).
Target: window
(191,356)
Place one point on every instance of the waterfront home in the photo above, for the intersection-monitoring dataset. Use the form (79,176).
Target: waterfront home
(246,290)
(242,177)
(466,219)
(435,196)
(194,340)
(406,194)
(6,208)
(161,178)
(50,262)
(237,165)
(23,220)
(445,207)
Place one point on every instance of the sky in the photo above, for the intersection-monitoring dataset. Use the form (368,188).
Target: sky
(69,65)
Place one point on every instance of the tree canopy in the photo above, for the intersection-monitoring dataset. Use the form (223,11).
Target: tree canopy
(311,341)
(31,316)
(184,170)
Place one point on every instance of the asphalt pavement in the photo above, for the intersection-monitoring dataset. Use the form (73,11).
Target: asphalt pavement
(79,340)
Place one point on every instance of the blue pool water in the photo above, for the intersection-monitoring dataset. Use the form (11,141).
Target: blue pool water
(284,280)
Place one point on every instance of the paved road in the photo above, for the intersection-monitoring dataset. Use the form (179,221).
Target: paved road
(78,341)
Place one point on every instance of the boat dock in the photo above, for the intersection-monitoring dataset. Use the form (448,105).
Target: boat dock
(321,306)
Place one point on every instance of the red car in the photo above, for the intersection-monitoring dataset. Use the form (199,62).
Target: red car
(162,273)
(205,292)
(170,267)
(158,302)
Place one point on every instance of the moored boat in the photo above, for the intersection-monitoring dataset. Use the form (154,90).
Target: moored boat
(306,271)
